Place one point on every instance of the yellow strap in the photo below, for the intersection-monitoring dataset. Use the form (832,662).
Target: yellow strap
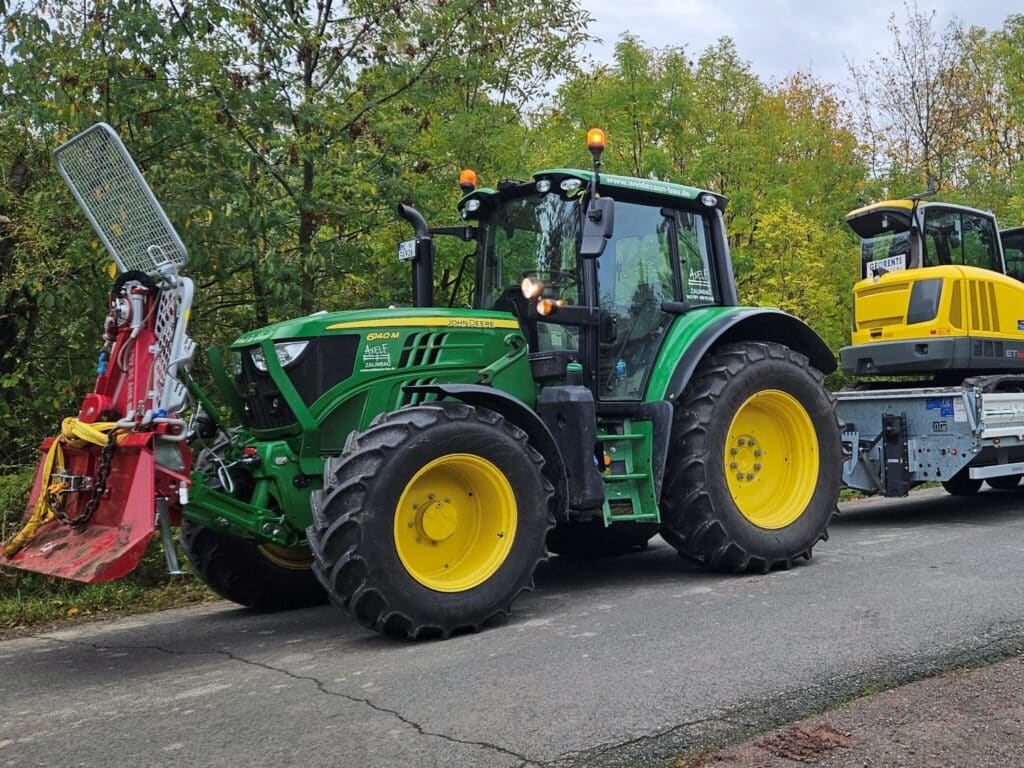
(78,434)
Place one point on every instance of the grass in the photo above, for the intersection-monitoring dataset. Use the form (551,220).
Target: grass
(29,600)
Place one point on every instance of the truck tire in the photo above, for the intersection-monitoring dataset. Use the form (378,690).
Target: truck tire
(1004,483)
(265,577)
(962,484)
(432,521)
(585,539)
(754,466)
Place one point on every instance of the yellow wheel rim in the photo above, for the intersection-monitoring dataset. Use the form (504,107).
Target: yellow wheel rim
(293,558)
(771,459)
(455,522)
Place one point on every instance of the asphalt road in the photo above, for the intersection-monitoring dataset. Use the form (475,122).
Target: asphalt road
(624,661)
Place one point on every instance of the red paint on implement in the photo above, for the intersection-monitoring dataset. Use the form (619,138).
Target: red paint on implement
(113,542)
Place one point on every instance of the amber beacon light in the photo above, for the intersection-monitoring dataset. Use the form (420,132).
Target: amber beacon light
(467,180)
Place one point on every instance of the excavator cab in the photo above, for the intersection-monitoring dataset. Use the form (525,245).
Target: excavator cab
(937,295)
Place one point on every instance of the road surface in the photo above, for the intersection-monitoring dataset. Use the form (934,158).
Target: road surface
(625,661)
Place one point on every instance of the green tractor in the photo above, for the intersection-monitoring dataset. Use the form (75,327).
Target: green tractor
(416,464)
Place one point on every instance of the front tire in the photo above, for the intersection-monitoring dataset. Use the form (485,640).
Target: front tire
(260,576)
(754,467)
(432,521)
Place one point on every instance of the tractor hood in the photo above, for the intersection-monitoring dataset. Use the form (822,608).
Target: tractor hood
(368,320)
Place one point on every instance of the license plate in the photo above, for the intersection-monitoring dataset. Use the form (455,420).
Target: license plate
(407,250)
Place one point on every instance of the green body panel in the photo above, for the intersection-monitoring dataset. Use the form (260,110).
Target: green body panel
(395,348)
(680,335)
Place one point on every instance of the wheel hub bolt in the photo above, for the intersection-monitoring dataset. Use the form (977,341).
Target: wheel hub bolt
(739,475)
(757,467)
(750,475)
(743,441)
(733,465)
(734,451)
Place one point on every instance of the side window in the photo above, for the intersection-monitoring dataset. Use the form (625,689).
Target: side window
(694,259)
(1013,252)
(953,237)
(979,242)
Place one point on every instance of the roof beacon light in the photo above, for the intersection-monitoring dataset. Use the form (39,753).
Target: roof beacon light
(467,180)
(595,140)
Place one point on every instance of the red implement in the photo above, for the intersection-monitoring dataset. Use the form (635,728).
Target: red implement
(113,542)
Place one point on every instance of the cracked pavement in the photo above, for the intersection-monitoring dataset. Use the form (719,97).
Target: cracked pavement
(620,662)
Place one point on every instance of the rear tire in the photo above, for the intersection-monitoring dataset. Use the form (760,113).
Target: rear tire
(1005,483)
(432,521)
(585,539)
(754,467)
(962,484)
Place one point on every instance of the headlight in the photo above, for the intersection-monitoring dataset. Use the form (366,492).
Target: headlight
(236,362)
(289,351)
(258,359)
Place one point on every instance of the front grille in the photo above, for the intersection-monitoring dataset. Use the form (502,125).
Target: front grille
(326,362)
(262,401)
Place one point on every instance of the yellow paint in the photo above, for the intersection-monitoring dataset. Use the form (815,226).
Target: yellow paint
(905,205)
(771,459)
(435,322)
(974,302)
(455,522)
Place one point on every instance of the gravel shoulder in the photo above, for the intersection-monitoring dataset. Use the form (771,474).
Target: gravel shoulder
(969,717)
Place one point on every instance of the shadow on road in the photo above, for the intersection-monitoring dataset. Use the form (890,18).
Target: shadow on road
(989,507)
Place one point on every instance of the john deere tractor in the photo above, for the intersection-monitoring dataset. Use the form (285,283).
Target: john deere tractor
(416,464)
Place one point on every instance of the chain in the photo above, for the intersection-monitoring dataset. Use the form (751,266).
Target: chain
(78,523)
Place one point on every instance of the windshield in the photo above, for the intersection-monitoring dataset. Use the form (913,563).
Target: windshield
(536,236)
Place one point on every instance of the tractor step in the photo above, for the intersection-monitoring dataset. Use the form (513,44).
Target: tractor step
(630,493)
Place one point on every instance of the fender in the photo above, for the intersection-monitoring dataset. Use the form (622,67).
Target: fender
(519,413)
(748,324)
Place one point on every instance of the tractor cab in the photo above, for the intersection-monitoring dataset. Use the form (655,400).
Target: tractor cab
(661,254)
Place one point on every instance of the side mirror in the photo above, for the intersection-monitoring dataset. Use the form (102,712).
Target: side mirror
(598,226)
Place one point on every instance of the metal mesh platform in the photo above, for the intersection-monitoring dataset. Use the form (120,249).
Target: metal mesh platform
(120,205)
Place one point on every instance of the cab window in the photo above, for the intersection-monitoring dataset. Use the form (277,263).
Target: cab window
(960,238)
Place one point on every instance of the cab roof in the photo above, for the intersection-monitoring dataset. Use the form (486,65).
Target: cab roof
(644,190)
(894,215)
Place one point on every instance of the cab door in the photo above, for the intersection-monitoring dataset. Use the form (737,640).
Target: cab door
(656,255)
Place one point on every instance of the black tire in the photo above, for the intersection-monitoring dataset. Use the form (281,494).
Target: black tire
(702,520)
(585,539)
(1005,482)
(238,570)
(962,484)
(241,570)
(353,535)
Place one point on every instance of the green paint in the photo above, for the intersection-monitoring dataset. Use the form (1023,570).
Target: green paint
(681,334)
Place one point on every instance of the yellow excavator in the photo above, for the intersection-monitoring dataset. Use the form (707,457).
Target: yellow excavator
(939,294)
(938,332)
